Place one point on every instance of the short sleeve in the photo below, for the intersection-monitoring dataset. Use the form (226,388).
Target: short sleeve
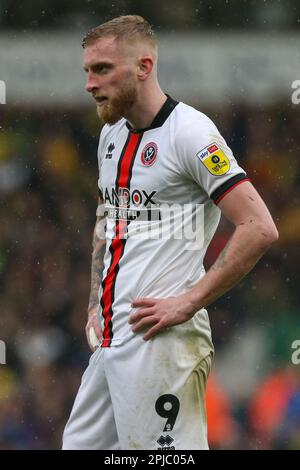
(204,156)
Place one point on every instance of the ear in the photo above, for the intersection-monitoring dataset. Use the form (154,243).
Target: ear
(145,67)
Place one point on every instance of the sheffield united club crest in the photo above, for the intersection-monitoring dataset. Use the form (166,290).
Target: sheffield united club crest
(149,154)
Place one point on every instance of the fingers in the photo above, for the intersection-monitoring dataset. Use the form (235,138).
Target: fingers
(143,303)
(95,325)
(146,317)
(92,348)
(153,331)
(136,316)
(93,331)
(144,322)
(93,340)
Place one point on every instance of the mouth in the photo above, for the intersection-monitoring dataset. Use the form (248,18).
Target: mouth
(100,100)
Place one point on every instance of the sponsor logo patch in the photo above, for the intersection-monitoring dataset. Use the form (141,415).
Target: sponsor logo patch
(213,148)
(214,159)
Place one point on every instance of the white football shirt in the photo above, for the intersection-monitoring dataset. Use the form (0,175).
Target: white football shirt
(161,187)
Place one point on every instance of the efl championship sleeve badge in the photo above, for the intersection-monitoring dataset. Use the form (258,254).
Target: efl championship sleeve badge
(214,159)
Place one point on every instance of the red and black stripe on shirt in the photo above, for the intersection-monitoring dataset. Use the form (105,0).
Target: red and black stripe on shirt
(117,247)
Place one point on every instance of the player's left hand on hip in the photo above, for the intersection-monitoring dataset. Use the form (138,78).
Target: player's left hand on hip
(157,314)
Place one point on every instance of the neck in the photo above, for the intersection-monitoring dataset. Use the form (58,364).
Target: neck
(148,104)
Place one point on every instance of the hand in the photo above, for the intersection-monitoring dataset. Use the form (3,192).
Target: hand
(93,328)
(157,314)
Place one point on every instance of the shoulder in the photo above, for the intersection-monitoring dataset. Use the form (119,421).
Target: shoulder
(189,117)
(192,128)
(192,125)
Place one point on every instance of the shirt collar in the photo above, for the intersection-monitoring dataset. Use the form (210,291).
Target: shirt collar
(160,118)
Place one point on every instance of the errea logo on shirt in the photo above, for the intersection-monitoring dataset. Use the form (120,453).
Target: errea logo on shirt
(214,159)
(110,150)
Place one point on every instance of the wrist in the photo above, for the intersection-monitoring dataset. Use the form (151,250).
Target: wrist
(194,304)
(92,308)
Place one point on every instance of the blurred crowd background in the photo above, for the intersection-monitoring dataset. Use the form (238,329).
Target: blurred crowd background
(48,199)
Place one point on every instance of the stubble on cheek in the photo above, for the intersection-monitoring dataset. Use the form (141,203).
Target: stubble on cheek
(119,105)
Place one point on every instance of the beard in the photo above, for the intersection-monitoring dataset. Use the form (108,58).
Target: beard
(119,105)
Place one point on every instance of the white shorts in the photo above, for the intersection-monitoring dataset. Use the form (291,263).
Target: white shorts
(143,395)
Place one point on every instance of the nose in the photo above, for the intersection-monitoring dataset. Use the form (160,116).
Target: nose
(91,84)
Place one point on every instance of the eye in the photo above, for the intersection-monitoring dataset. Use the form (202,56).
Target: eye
(102,69)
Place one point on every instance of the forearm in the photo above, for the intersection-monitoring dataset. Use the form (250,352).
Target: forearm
(96,274)
(241,253)
(99,244)
(254,232)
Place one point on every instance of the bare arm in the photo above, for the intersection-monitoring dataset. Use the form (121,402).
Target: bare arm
(254,232)
(99,244)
